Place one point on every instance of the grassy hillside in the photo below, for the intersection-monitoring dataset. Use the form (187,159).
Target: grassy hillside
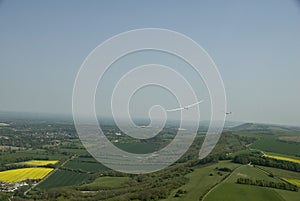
(231,191)
(108,182)
(235,192)
(200,181)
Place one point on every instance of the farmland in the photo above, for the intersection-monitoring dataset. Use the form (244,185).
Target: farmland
(63,178)
(40,162)
(78,176)
(230,190)
(201,180)
(28,154)
(282,158)
(85,164)
(280,173)
(107,182)
(139,148)
(24,174)
(293,181)
(271,144)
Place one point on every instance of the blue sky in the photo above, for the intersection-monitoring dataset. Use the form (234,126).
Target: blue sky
(255,44)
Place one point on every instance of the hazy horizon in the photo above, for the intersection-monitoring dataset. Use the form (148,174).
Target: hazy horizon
(254,44)
(6,116)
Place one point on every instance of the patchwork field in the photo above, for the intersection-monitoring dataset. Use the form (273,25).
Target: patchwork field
(78,176)
(22,174)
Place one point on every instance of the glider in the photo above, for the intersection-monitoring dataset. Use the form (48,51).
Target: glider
(185,107)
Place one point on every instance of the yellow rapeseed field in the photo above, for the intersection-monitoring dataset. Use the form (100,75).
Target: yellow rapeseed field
(23,174)
(282,158)
(293,181)
(39,162)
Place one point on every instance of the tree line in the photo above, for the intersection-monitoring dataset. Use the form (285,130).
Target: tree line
(270,184)
(264,161)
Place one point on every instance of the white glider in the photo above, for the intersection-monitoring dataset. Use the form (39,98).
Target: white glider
(185,107)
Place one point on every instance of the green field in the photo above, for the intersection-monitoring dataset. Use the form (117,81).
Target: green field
(71,151)
(248,171)
(138,148)
(288,195)
(281,173)
(85,164)
(269,142)
(231,191)
(272,144)
(201,180)
(20,156)
(78,176)
(107,182)
(63,178)
(236,192)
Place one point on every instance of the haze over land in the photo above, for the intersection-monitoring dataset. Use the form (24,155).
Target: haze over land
(47,153)
(255,45)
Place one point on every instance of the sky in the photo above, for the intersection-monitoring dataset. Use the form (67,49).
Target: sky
(255,45)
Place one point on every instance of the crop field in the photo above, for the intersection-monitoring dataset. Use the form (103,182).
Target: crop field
(22,174)
(85,164)
(78,176)
(293,181)
(72,151)
(40,162)
(282,158)
(138,148)
(271,144)
(63,178)
(18,156)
